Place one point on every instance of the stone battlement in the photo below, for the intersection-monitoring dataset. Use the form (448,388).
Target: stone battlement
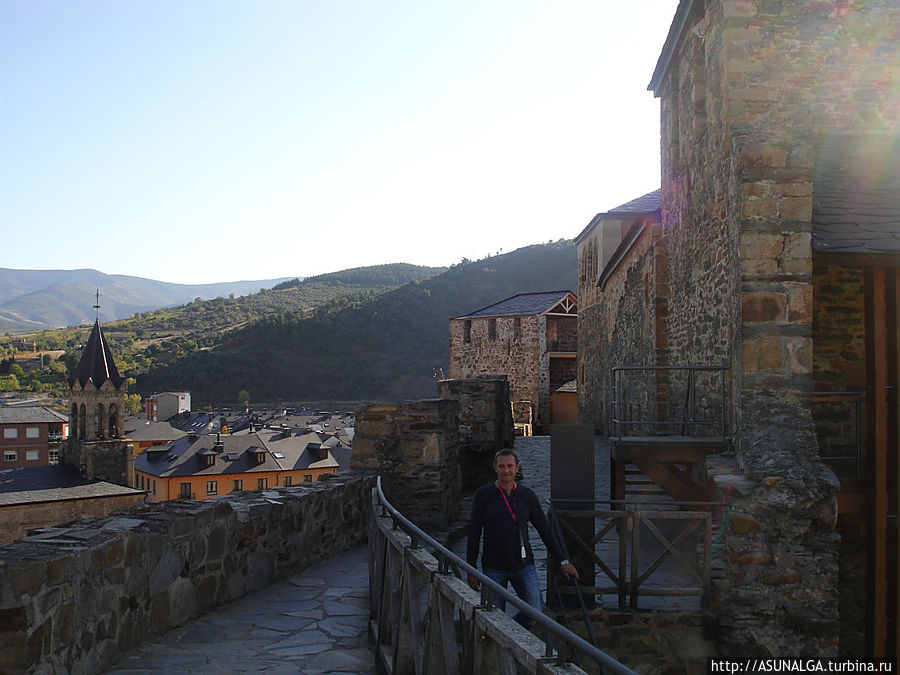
(75,598)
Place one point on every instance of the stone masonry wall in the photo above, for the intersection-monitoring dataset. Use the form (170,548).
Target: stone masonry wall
(619,329)
(414,446)
(75,599)
(108,460)
(485,423)
(743,109)
(520,354)
(16,521)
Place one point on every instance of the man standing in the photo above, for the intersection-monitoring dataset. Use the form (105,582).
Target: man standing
(502,511)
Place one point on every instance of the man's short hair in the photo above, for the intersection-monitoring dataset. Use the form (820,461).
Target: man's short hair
(506,451)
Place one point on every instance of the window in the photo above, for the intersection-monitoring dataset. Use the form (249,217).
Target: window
(32,432)
(32,455)
(517,328)
(154,486)
(54,456)
(492,329)
(10,432)
(184,491)
(11,455)
(467,331)
(307,478)
(262,483)
(212,487)
(287,481)
(237,485)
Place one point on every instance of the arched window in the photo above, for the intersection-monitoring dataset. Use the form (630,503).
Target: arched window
(73,415)
(99,426)
(113,420)
(82,423)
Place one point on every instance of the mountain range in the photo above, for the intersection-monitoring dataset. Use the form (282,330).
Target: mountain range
(33,300)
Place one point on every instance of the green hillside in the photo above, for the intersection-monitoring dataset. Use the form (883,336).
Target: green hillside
(152,340)
(385,346)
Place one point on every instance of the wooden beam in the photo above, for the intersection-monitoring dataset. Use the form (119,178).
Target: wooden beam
(894,449)
(876,405)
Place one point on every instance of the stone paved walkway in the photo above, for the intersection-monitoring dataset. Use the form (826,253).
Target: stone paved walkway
(311,624)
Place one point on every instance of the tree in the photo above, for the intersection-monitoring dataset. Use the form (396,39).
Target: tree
(133,403)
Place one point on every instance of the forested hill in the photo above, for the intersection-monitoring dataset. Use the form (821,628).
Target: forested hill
(389,346)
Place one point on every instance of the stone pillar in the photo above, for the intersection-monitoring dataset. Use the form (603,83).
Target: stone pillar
(485,423)
(414,446)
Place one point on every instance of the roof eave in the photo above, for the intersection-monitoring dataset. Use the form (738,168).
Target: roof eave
(676,30)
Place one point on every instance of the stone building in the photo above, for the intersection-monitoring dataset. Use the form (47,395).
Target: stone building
(97,406)
(532,339)
(775,256)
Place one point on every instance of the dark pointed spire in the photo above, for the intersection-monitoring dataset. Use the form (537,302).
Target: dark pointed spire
(97,364)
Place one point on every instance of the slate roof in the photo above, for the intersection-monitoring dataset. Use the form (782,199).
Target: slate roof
(523,304)
(643,205)
(283,450)
(142,430)
(856,196)
(97,364)
(36,414)
(53,483)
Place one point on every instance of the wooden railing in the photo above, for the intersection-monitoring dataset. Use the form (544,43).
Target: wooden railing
(641,548)
(426,619)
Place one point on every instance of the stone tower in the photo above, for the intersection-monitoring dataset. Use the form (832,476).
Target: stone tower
(96,409)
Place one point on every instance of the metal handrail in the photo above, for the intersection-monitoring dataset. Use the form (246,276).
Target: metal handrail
(619,424)
(577,643)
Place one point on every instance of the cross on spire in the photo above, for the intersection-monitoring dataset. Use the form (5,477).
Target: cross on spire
(97,306)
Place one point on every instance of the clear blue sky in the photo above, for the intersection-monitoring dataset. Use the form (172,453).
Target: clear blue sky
(202,141)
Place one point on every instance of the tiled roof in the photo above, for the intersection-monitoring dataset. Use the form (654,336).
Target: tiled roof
(643,205)
(856,196)
(97,363)
(151,431)
(52,483)
(647,203)
(36,414)
(283,450)
(524,304)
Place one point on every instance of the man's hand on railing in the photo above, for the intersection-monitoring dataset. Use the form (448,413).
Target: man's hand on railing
(568,569)
(473,582)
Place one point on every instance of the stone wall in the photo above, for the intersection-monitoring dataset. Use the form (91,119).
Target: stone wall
(745,102)
(414,447)
(515,347)
(485,423)
(621,328)
(74,600)
(17,520)
(109,460)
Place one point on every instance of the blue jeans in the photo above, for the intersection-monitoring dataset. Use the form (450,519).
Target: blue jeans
(526,585)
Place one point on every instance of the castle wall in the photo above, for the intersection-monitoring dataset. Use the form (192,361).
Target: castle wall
(124,579)
(621,327)
(414,446)
(511,346)
(744,105)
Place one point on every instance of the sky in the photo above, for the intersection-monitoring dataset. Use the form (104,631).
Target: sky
(209,141)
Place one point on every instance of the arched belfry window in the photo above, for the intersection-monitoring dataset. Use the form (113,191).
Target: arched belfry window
(82,423)
(73,414)
(99,419)
(113,420)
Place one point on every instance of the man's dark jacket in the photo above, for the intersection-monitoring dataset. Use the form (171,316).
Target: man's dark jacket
(502,547)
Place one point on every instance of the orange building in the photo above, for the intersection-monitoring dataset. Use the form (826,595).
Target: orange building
(202,466)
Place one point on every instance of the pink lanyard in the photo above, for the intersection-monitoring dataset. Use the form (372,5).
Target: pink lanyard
(511,509)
